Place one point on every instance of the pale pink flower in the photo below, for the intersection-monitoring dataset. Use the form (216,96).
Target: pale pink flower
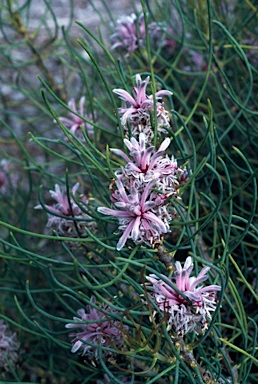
(97,327)
(75,123)
(140,105)
(149,164)
(145,159)
(129,33)
(190,312)
(63,214)
(141,215)
(9,346)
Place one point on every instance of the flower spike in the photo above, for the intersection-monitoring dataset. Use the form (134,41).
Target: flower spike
(190,312)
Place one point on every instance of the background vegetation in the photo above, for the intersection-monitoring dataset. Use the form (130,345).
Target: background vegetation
(210,65)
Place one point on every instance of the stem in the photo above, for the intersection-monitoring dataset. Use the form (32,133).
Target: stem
(22,31)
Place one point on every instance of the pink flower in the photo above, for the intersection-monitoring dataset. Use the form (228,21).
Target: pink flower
(129,33)
(140,103)
(97,328)
(69,209)
(189,313)
(144,159)
(9,346)
(140,215)
(76,124)
(148,164)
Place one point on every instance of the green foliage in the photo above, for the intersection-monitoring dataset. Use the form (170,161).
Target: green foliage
(45,277)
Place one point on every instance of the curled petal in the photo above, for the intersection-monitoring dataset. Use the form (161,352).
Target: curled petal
(124,95)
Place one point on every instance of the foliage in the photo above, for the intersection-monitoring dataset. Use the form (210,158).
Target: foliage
(204,52)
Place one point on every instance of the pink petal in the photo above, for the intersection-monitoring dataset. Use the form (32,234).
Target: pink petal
(121,154)
(124,95)
(163,93)
(124,237)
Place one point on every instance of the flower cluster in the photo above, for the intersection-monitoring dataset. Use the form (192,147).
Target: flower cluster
(140,106)
(97,328)
(188,307)
(141,216)
(76,124)
(143,187)
(148,164)
(130,34)
(66,217)
(141,201)
(142,191)
(9,346)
